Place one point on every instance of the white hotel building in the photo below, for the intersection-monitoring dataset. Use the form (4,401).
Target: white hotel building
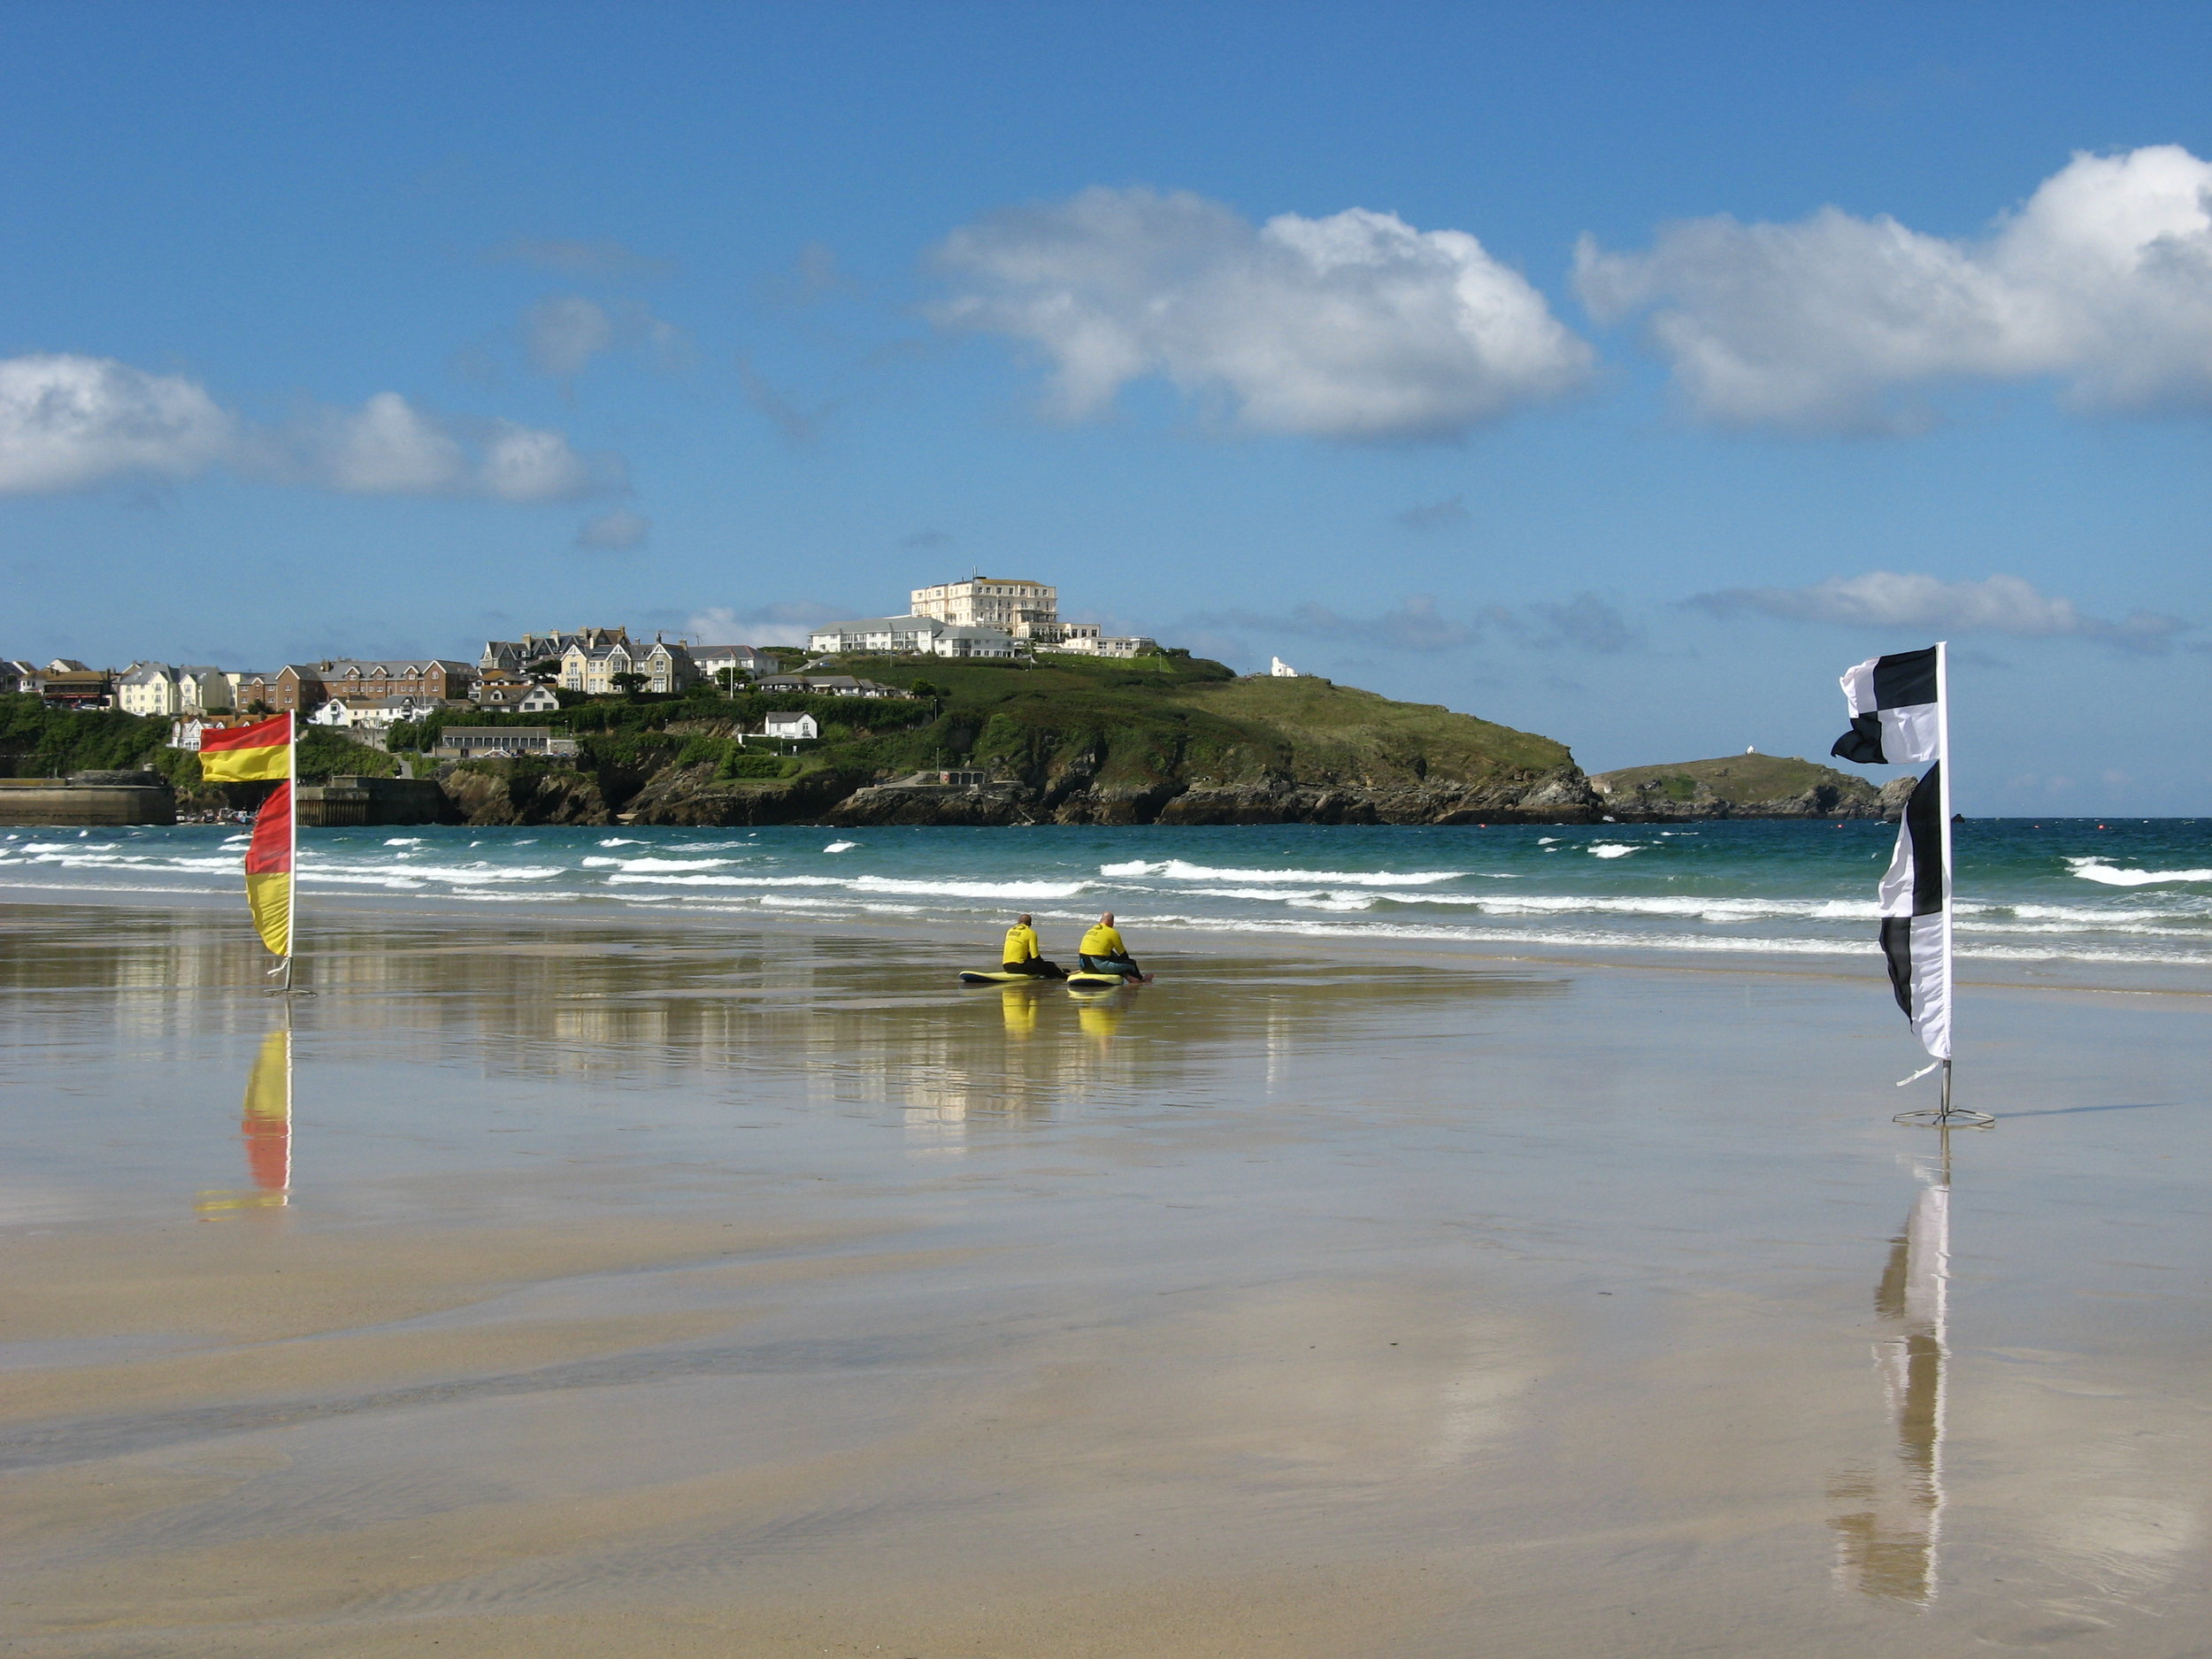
(984,616)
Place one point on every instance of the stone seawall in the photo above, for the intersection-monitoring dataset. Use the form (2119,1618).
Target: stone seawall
(349,800)
(87,800)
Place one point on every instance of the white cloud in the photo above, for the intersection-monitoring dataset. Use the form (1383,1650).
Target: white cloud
(2103,280)
(614,531)
(1355,327)
(1888,599)
(531,464)
(387,447)
(765,624)
(67,422)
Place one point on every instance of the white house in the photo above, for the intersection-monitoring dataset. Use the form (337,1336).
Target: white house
(511,694)
(798,725)
(1083,639)
(911,636)
(147,688)
(1282,670)
(376,713)
(712,659)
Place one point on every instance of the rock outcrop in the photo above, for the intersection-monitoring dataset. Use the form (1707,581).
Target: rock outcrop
(1745,787)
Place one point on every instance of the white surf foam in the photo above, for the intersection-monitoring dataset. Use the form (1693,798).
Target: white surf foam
(1177,870)
(2095,869)
(1613,849)
(841,847)
(656,864)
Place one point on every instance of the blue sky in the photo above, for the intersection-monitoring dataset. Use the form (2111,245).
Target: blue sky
(1622,374)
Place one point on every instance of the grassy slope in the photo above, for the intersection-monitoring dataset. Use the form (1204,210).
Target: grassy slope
(1137,723)
(1336,734)
(36,741)
(1738,779)
(1119,724)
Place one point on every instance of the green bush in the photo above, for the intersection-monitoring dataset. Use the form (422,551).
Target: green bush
(753,763)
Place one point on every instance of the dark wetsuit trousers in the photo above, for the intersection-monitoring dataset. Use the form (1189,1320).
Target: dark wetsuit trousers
(1036,967)
(1112,965)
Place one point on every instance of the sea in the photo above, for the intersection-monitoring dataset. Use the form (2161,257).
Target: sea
(2049,890)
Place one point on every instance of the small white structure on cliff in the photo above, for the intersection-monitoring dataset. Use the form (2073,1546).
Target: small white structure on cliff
(1281,669)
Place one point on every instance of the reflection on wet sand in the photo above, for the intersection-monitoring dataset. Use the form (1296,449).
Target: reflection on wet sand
(267,1129)
(1888,1543)
(859,1021)
(727,1295)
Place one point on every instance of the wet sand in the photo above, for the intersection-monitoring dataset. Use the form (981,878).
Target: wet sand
(615,1288)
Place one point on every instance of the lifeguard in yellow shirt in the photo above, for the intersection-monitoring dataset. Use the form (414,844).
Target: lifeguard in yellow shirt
(1104,952)
(1022,955)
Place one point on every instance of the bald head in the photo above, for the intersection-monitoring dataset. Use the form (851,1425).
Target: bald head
(1105,918)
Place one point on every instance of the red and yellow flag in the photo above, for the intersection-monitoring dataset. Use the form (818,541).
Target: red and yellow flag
(260,753)
(269,871)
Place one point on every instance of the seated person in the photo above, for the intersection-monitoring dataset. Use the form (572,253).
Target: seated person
(1104,952)
(1022,955)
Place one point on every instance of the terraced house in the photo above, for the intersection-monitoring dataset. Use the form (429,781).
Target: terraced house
(302,688)
(599,669)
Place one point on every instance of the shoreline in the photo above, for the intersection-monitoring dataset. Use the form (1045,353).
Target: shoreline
(1167,941)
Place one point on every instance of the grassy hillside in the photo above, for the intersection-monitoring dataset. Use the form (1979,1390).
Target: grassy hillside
(1740,781)
(1057,725)
(36,741)
(1340,734)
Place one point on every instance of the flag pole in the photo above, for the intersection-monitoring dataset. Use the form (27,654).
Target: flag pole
(1950,870)
(292,884)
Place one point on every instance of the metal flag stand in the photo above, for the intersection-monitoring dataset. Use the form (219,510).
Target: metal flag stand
(1943,1115)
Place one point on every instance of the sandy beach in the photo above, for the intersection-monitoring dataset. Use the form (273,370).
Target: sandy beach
(622,1286)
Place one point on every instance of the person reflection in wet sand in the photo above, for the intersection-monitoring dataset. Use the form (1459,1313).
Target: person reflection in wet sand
(266,1125)
(1019,1005)
(1888,1543)
(1101,1017)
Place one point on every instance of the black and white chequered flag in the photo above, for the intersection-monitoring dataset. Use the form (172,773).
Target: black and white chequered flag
(1897,719)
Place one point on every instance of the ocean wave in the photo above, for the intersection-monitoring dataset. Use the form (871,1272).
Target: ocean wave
(658,864)
(1176,870)
(619,841)
(841,847)
(467,874)
(875,884)
(2095,869)
(1613,849)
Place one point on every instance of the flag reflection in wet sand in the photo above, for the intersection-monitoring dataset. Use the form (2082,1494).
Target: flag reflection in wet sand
(266,1128)
(1888,1543)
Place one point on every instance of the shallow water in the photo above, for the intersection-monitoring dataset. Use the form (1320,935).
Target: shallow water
(602,1289)
(2128,892)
